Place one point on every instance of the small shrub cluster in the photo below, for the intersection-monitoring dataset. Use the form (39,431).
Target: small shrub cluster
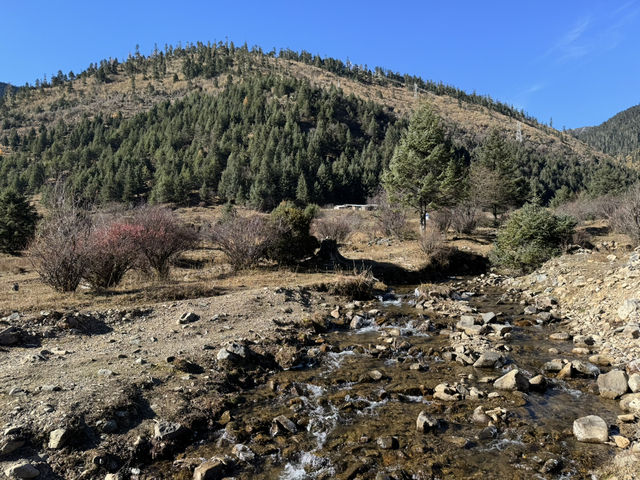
(391,220)
(244,240)
(431,240)
(531,236)
(71,245)
(336,227)
(464,219)
(440,220)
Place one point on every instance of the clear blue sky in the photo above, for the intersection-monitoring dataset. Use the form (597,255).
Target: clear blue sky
(576,62)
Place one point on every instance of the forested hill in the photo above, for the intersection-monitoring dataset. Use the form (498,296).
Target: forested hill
(618,136)
(3,87)
(217,122)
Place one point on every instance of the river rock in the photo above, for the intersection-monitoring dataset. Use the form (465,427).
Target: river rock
(487,433)
(387,442)
(489,359)
(167,431)
(425,422)
(551,466)
(585,368)
(530,310)
(629,308)
(213,469)
(22,470)
(243,452)
(554,365)
(375,375)
(479,416)
(514,380)
(613,384)
(466,321)
(538,383)
(489,317)
(633,366)
(566,372)
(500,329)
(591,429)
(621,441)
(58,438)
(601,360)
(358,322)
(634,382)
(630,402)
(560,336)
(476,330)
(283,422)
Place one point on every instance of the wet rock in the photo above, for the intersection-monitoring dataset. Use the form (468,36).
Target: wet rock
(566,371)
(489,359)
(479,416)
(465,321)
(613,384)
(476,330)
(591,429)
(560,336)
(501,330)
(22,470)
(585,368)
(538,383)
(629,309)
(552,465)
(375,375)
(514,380)
(58,438)
(281,423)
(188,317)
(358,322)
(425,423)
(213,469)
(243,452)
(289,356)
(634,382)
(388,442)
(488,433)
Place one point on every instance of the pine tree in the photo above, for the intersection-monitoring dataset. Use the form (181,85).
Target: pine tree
(17,221)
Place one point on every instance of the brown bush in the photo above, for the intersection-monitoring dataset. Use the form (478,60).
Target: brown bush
(244,241)
(60,247)
(431,240)
(336,227)
(113,250)
(464,219)
(161,237)
(391,220)
(626,218)
(585,208)
(441,219)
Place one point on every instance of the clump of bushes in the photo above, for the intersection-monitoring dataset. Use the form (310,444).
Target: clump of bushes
(531,236)
(335,227)
(71,245)
(244,240)
(431,240)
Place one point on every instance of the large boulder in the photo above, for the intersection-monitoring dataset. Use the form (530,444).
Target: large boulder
(613,384)
(591,429)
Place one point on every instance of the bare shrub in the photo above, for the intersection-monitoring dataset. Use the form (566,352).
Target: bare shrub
(391,219)
(582,238)
(113,251)
(441,219)
(59,249)
(336,227)
(357,286)
(244,240)
(586,208)
(626,218)
(431,240)
(161,237)
(464,218)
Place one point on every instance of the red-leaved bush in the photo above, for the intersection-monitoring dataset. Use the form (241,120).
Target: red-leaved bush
(161,237)
(113,251)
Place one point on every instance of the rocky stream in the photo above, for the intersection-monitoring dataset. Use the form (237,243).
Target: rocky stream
(462,381)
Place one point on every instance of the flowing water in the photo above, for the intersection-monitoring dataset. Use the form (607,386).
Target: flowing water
(350,422)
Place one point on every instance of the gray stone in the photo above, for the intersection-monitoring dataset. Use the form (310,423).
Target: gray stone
(602,360)
(213,469)
(9,336)
(629,309)
(585,368)
(243,452)
(479,416)
(613,384)
(166,431)
(425,422)
(514,380)
(22,470)
(530,310)
(358,322)
(591,429)
(188,317)
(488,433)
(489,359)
(466,321)
(634,382)
(501,330)
(10,444)
(285,423)
(630,402)
(489,317)
(375,375)
(476,330)
(560,336)
(538,383)
(388,442)
(58,438)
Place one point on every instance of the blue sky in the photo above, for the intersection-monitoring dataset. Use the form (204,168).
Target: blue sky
(575,62)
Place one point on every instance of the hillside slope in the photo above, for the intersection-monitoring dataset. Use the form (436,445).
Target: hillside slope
(40,125)
(619,136)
